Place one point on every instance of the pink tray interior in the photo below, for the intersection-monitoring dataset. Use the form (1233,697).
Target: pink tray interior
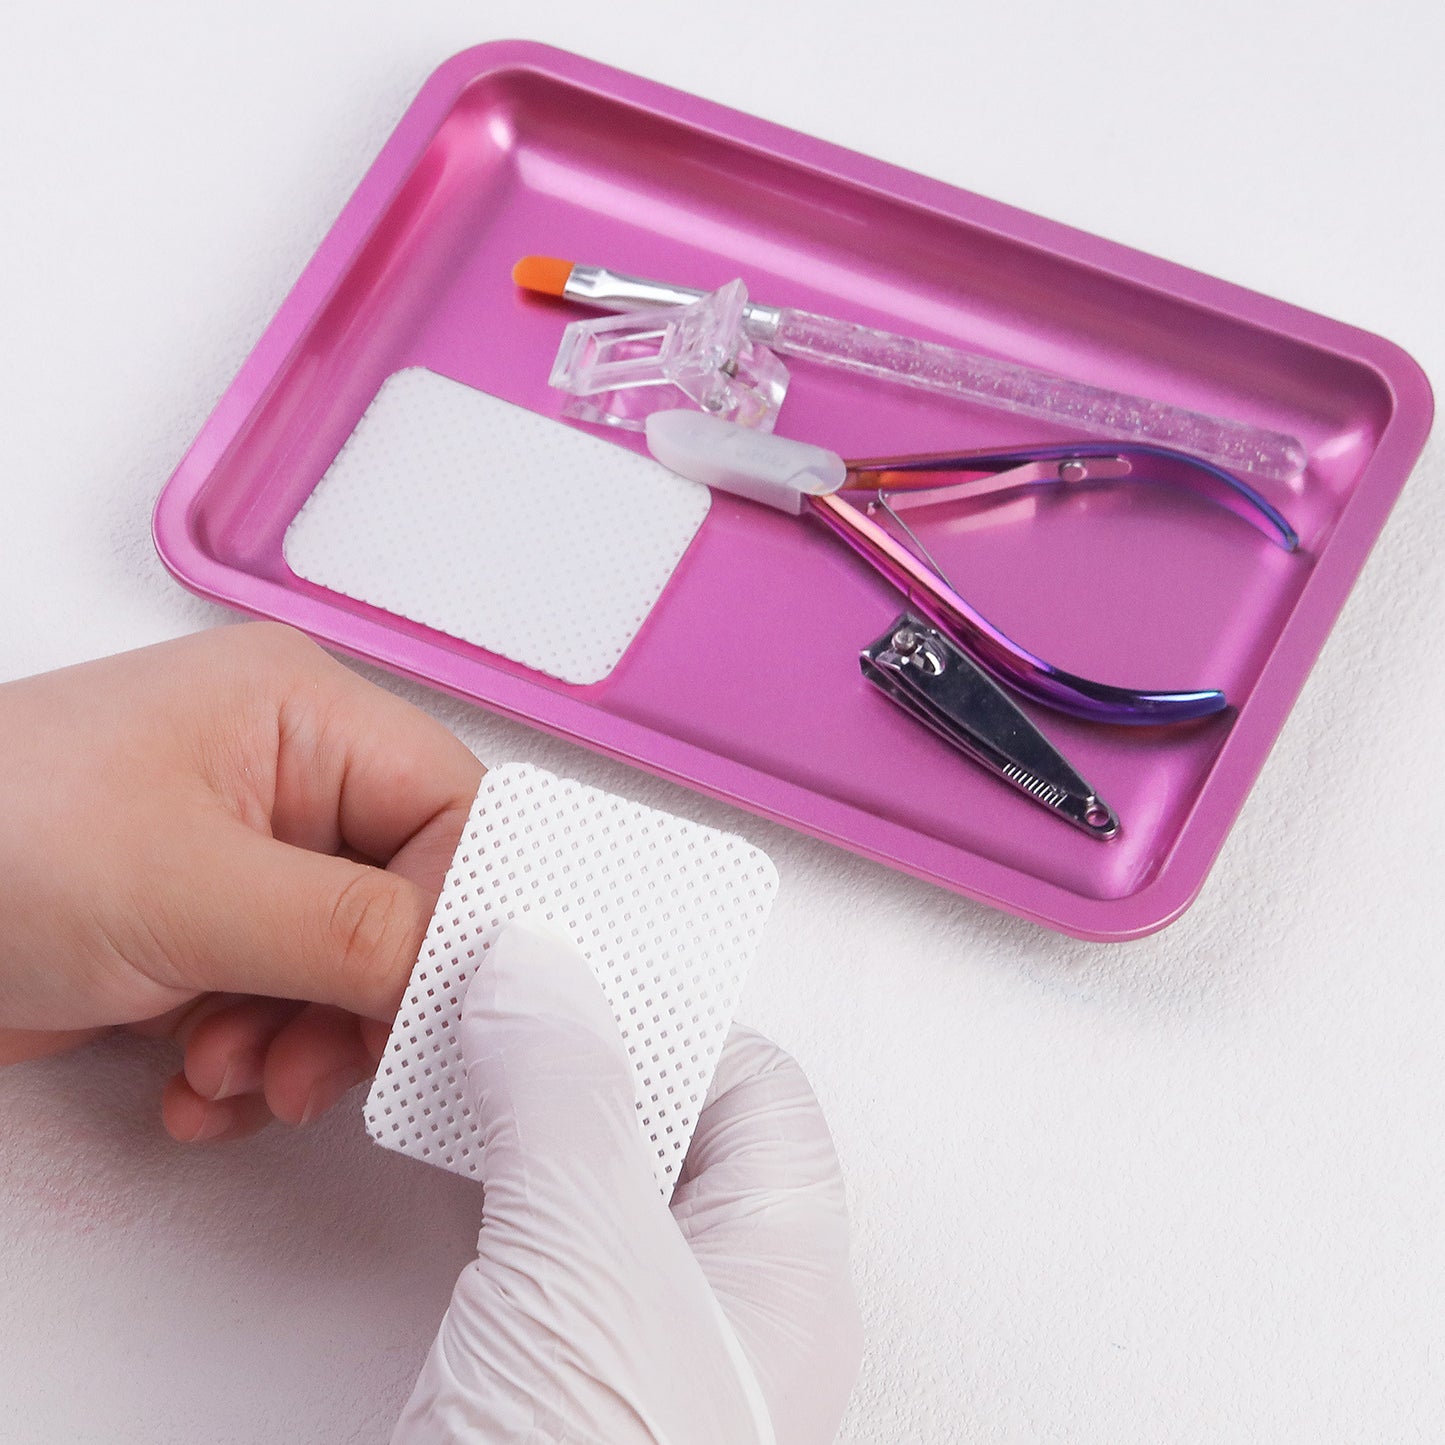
(744,680)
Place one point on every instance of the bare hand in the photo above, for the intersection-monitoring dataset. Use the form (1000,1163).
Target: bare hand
(230,840)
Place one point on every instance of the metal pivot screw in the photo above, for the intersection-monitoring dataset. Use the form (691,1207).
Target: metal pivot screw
(1072,471)
(913,647)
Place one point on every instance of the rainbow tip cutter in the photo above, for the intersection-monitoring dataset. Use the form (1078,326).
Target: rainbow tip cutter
(937,665)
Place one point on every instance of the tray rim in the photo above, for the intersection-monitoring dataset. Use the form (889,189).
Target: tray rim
(1185,866)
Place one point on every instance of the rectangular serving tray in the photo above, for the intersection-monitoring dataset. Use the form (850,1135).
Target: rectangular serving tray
(744,682)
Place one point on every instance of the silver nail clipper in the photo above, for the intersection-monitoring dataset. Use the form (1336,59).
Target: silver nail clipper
(936,682)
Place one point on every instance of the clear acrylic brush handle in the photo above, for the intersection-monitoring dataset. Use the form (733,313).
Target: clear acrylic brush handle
(949,372)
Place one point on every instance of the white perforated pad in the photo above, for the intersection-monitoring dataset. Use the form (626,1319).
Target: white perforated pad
(487,522)
(668,914)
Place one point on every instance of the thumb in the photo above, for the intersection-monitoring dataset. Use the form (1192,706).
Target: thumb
(551,1086)
(253,915)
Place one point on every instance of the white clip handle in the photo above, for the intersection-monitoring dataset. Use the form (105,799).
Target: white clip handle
(738,459)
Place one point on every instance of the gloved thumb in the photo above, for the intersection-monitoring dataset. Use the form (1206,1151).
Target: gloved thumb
(550,1084)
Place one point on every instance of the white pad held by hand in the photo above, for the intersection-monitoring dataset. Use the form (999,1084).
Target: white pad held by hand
(667,913)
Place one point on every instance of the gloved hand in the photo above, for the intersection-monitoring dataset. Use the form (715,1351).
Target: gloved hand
(595,1314)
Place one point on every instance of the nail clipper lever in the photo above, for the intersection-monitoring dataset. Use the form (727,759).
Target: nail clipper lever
(933,680)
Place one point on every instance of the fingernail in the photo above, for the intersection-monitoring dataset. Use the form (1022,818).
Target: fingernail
(328,1089)
(241,1076)
(213,1123)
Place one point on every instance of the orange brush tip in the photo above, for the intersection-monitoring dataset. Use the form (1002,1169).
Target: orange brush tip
(542,273)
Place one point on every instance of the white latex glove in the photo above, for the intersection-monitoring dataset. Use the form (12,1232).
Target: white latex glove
(595,1314)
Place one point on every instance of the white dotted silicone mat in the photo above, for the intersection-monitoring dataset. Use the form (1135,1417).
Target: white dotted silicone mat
(668,914)
(497,526)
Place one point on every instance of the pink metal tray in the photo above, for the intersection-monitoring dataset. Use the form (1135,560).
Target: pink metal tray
(744,681)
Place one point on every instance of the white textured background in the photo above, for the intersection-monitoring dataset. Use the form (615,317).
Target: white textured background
(1186,1189)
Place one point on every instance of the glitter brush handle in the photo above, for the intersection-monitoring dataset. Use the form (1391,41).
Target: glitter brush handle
(1095,409)
(945,370)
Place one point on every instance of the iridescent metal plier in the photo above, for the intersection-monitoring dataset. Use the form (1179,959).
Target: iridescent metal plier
(902,484)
